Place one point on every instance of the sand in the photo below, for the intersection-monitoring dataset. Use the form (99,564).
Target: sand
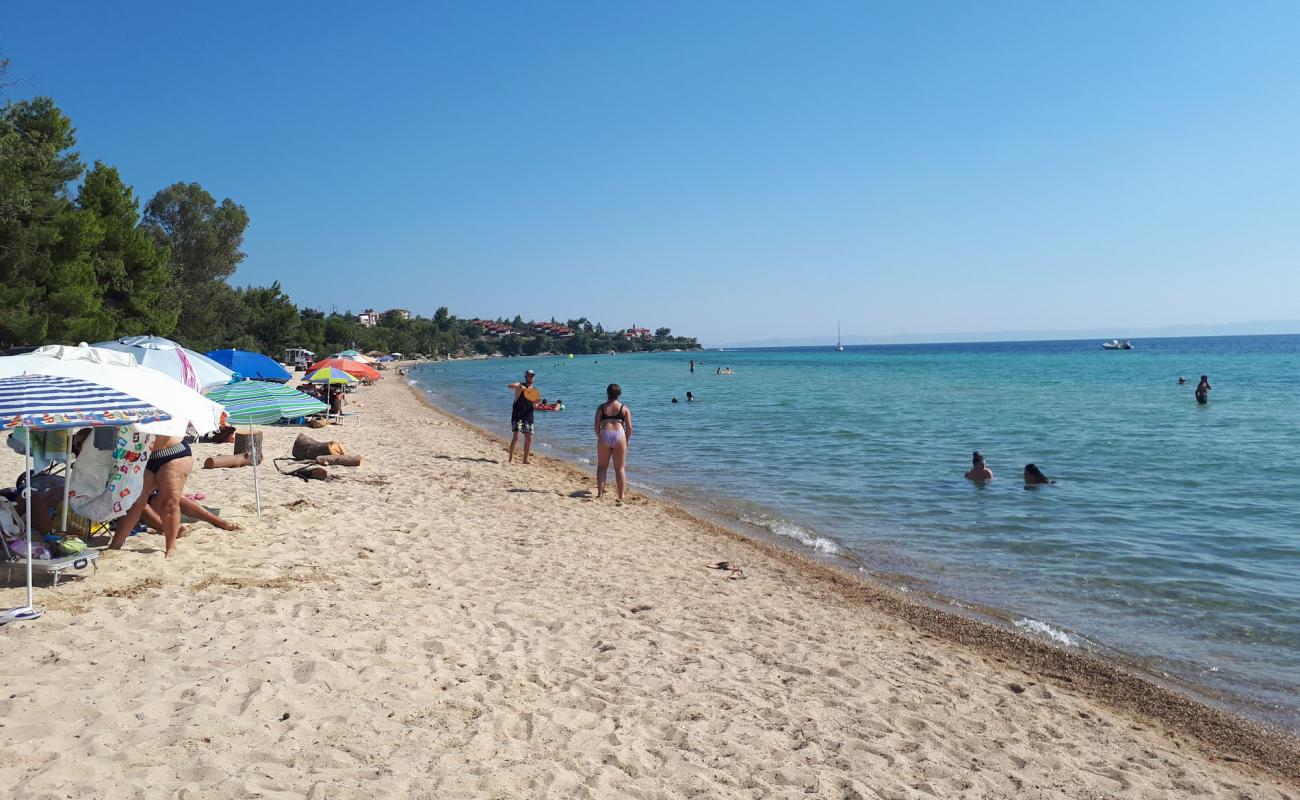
(439,624)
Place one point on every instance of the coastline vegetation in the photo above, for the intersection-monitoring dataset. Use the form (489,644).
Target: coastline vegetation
(80,261)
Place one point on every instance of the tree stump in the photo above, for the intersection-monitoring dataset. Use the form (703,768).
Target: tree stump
(306,448)
(241,444)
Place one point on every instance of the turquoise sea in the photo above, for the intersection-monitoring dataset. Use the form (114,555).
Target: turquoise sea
(1171,539)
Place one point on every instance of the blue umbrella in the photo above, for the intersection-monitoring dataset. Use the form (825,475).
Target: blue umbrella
(253,366)
(47,402)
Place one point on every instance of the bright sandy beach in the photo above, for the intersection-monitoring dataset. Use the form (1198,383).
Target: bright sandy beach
(440,624)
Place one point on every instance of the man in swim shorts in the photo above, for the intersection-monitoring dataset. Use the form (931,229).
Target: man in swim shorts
(521,413)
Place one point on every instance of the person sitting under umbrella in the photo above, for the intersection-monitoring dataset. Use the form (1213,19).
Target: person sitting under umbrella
(47,493)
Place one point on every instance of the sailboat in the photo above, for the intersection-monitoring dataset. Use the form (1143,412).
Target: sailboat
(839,345)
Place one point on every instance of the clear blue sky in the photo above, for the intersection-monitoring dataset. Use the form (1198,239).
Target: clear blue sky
(728,170)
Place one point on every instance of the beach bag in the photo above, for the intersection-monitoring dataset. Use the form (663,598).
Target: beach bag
(71,545)
(106,483)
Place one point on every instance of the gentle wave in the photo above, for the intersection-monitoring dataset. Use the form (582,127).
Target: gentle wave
(1040,628)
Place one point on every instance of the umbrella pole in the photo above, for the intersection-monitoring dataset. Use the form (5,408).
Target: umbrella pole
(27,495)
(67,482)
(257,489)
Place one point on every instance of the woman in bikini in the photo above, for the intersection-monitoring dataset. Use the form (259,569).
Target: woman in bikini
(613,431)
(167,469)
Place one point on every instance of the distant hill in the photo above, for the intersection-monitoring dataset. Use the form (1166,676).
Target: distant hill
(1260,328)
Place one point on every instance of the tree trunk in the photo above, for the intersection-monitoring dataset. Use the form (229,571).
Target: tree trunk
(306,448)
(241,444)
(225,462)
(339,461)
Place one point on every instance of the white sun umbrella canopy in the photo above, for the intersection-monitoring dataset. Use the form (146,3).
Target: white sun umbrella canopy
(190,411)
(195,370)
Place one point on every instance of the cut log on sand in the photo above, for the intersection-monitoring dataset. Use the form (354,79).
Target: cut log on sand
(226,462)
(339,461)
(306,448)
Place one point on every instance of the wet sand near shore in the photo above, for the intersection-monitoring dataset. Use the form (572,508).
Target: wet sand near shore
(438,623)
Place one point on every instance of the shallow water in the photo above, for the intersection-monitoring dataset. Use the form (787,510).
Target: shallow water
(1172,535)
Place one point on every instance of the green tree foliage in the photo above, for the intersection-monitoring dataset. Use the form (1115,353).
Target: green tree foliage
(91,267)
(47,282)
(204,238)
(272,319)
(130,267)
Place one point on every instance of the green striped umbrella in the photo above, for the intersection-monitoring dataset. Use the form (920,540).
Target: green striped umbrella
(259,403)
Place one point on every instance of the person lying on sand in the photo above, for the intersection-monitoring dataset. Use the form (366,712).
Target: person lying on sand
(189,508)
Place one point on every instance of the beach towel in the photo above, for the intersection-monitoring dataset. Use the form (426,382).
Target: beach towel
(47,446)
(106,483)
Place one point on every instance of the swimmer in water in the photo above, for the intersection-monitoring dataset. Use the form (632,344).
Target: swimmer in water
(978,472)
(1181,380)
(1035,477)
(1203,390)
(690,398)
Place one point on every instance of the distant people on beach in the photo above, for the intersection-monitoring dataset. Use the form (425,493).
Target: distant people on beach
(521,414)
(613,432)
(1035,477)
(1203,390)
(979,471)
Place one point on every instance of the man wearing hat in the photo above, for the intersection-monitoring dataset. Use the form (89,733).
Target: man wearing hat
(521,414)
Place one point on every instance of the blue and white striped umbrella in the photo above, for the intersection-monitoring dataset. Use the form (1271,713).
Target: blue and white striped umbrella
(45,402)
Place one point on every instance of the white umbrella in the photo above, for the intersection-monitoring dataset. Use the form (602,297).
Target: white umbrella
(189,409)
(195,370)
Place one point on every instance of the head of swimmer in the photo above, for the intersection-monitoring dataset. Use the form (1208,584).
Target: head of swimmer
(1034,475)
(529,375)
(612,392)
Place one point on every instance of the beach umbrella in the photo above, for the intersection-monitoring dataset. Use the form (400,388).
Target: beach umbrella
(250,365)
(353,355)
(356,369)
(188,409)
(256,403)
(195,370)
(49,402)
(331,377)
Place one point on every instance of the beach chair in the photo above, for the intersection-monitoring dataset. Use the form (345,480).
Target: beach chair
(50,566)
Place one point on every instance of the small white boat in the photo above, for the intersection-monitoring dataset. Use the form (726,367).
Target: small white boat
(1116,344)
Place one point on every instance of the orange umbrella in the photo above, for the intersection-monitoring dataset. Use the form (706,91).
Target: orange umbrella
(353,368)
